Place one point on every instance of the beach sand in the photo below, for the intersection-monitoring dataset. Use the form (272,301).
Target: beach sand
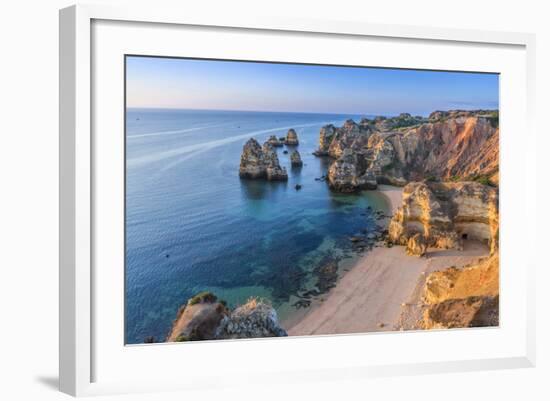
(376,292)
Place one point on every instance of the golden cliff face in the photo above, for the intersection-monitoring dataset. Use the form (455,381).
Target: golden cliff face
(459,147)
(466,297)
(448,146)
(446,213)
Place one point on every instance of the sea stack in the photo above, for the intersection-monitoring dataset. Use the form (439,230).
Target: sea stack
(295,159)
(259,162)
(291,138)
(252,161)
(273,141)
(274,171)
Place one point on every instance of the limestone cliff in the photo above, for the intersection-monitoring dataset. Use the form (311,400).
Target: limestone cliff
(349,173)
(259,162)
(466,297)
(446,213)
(204,317)
(453,145)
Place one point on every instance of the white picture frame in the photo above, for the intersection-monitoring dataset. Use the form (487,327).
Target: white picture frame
(81,341)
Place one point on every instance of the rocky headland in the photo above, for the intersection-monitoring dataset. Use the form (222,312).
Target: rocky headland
(448,145)
(433,263)
(205,317)
(439,267)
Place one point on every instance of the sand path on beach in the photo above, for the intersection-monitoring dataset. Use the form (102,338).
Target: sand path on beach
(373,294)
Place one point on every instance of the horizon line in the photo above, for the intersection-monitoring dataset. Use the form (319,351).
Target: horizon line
(308,112)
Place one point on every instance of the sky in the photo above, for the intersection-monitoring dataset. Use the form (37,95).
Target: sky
(236,85)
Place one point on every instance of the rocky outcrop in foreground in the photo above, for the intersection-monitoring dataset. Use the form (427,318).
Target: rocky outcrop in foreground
(443,214)
(451,145)
(204,317)
(466,297)
(261,162)
(291,138)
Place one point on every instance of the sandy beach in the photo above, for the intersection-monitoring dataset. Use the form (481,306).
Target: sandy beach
(373,295)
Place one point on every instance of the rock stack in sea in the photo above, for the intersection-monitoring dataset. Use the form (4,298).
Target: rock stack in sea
(295,159)
(291,138)
(274,141)
(274,171)
(205,317)
(261,162)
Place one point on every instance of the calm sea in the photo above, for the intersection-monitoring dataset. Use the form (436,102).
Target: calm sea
(192,225)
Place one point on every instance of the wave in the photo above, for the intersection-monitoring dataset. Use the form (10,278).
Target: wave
(175,132)
(202,147)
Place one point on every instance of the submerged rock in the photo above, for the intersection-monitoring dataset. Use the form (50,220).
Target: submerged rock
(295,159)
(291,138)
(260,162)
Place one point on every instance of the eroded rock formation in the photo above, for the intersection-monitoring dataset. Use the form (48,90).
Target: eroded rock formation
(466,297)
(204,317)
(417,245)
(259,162)
(291,138)
(349,173)
(251,320)
(295,159)
(446,213)
(453,145)
(274,141)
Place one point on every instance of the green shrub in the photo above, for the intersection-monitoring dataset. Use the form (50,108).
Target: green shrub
(482,179)
(181,338)
(205,296)
(431,178)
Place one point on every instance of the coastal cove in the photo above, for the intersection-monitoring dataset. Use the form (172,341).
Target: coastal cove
(192,225)
(388,224)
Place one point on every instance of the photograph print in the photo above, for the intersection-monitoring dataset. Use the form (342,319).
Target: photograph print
(278,199)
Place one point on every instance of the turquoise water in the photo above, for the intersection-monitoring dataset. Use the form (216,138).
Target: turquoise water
(192,225)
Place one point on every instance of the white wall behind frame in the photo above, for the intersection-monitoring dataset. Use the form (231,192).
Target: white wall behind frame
(28,78)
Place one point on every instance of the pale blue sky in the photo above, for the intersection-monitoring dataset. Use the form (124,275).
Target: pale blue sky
(232,85)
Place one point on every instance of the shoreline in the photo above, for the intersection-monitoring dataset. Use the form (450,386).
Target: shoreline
(393,195)
(374,294)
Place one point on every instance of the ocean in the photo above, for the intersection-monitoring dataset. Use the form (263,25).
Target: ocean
(193,225)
